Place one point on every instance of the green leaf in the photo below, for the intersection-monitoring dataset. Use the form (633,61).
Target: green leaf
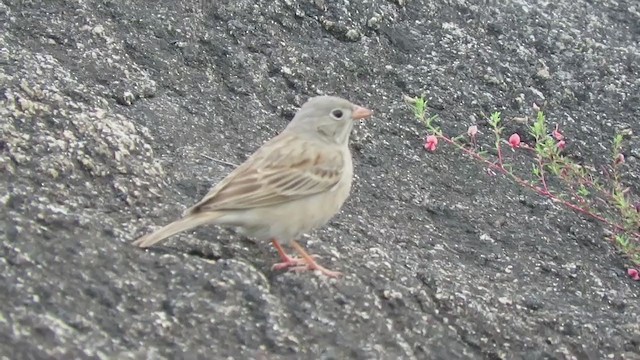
(583,191)
(622,240)
(419,107)
(617,141)
(494,120)
(535,171)
(539,128)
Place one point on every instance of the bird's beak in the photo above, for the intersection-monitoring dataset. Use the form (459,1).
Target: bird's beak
(360,113)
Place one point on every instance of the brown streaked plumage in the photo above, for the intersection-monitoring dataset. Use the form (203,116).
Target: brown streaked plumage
(292,184)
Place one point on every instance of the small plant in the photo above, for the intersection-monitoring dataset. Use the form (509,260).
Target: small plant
(575,186)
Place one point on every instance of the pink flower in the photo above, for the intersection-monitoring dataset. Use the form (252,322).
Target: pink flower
(473,130)
(561,144)
(514,141)
(431,143)
(634,274)
(557,134)
(619,160)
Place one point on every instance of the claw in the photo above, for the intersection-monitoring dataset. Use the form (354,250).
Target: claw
(305,263)
(326,272)
(288,263)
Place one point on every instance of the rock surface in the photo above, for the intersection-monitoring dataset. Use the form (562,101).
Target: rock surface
(107,107)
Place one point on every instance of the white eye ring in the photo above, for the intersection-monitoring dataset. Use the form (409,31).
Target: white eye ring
(337,114)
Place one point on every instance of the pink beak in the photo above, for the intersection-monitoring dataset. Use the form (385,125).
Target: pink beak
(360,113)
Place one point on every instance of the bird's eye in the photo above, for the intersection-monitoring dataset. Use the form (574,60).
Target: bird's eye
(337,114)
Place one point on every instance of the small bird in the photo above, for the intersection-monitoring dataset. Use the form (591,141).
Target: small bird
(294,183)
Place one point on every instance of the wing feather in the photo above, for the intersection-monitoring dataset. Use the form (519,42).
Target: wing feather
(286,168)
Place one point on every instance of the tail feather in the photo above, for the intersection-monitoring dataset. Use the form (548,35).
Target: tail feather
(186,223)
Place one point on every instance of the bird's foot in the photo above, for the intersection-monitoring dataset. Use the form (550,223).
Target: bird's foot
(300,265)
(288,262)
(305,263)
(316,267)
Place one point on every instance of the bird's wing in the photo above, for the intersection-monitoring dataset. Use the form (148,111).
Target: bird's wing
(286,168)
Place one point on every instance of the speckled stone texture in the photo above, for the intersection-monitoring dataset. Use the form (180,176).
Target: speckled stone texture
(108,106)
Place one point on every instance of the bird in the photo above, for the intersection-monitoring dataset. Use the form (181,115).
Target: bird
(292,184)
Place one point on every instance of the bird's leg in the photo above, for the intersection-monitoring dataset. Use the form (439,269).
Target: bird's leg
(310,263)
(287,261)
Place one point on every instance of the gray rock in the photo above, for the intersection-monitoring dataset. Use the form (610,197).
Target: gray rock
(108,106)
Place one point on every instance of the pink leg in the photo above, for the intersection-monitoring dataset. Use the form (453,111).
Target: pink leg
(287,261)
(306,262)
(311,264)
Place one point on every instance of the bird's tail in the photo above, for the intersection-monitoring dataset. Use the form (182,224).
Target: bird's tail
(186,223)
